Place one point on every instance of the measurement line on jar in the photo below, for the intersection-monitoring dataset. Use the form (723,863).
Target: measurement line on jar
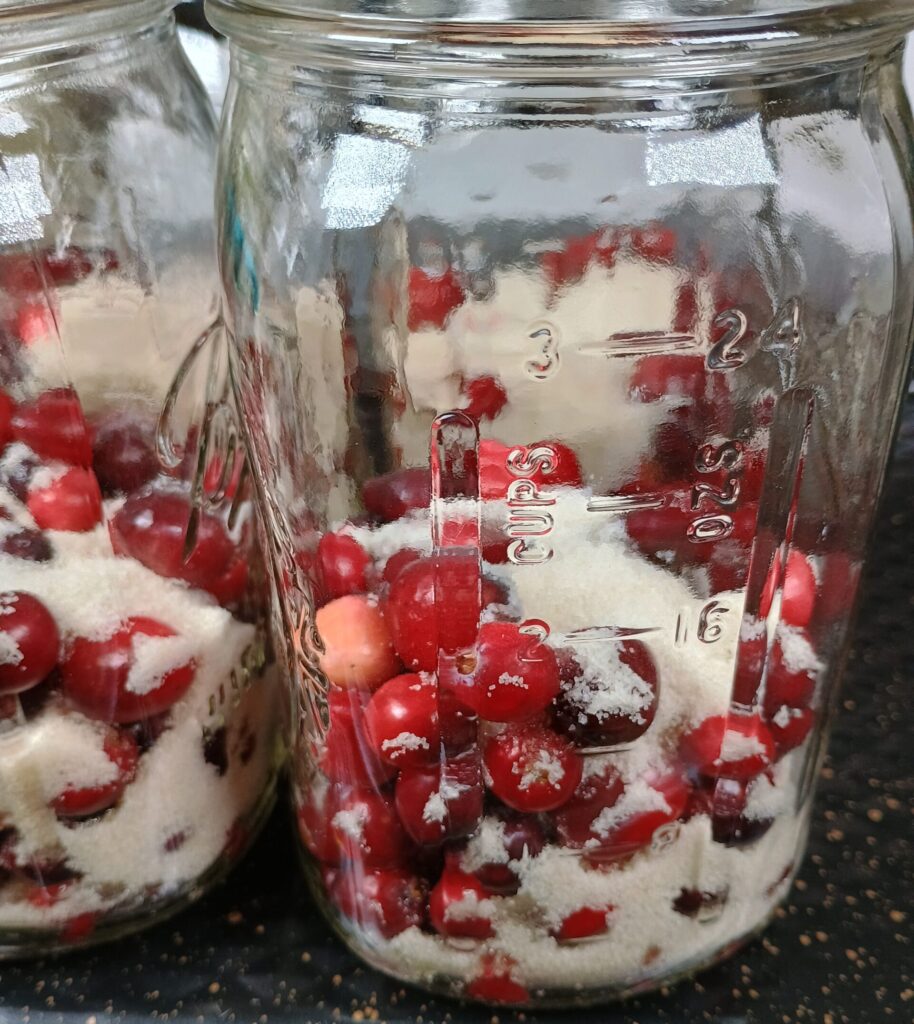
(622,504)
(592,634)
(639,343)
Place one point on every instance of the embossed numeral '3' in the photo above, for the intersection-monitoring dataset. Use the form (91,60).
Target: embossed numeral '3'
(724,497)
(544,366)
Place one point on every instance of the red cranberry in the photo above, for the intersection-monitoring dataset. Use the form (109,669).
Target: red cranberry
(654,242)
(383,901)
(368,831)
(568,264)
(439,802)
(402,721)
(34,272)
(29,642)
(344,565)
(584,924)
(597,793)
(532,769)
(729,746)
(724,801)
(391,496)
(315,813)
(459,724)
(398,561)
(79,928)
(432,298)
(700,903)
(612,706)
(419,632)
(123,456)
(523,836)
(96,675)
(783,686)
(511,677)
(485,398)
(671,375)
(456,906)
(54,427)
(358,647)
(790,727)
(122,751)
(31,545)
(72,502)
(544,464)
(798,595)
(494,983)
(6,419)
(151,527)
(17,474)
(34,321)
(348,755)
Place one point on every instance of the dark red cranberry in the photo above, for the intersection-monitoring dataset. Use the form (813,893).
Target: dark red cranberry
(523,836)
(391,496)
(459,724)
(123,454)
(579,822)
(344,565)
(72,502)
(724,801)
(82,802)
(441,801)
(215,749)
(17,474)
(729,746)
(790,727)
(26,543)
(96,675)
(54,427)
(386,901)
(700,903)
(348,755)
(368,831)
(6,419)
(532,769)
(315,814)
(29,642)
(608,707)
(432,298)
(457,906)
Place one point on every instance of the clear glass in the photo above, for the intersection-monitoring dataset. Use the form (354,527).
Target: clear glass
(138,712)
(569,373)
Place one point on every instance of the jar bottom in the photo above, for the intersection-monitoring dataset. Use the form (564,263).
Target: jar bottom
(28,944)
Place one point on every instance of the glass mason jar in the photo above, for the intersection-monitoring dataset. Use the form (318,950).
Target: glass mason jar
(569,349)
(136,758)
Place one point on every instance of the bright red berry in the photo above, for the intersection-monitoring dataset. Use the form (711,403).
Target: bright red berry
(393,495)
(682,375)
(402,721)
(29,642)
(459,906)
(344,565)
(348,756)
(532,769)
(568,264)
(495,984)
(544,464)
(522,835)
(654,242)
(485,398)
(433,606)
(786,684)
(398,561)
(441,801)
(584,923)
(729,746)
(53,426)
(358,647)
(366,828)
(790,727)
(432,298)
(798,595)
(106,679)
(121,749)
(72,502)
(386,901)
(123,455)
(579,822)
(614,703)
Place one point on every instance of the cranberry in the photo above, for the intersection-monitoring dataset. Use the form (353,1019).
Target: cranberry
(34,272)
(45,896)
(16,474)
(459,906)
(96,675)
(391,496)
(358,648)
(654,242)
(568,264)
(34,321)
(459,724)
(397,562)
(419,632)
(724,801)
(494,983)
(439,802)
(72,502)
(790,727)
(123,456)
(522,836)
(315,813)
(783,686)
(485,398)
(544,464)
(798,596)
(29,642)
(6,419)
(493,592)
(348,755)
(383,901)
(613,706)
(79,928)
(665,799)
(730,746)
(700,903)
(432,299)
(26,543)
(122,751)
(671,375)
(584,924)
(151,526)
(532,769)
(402,721)
(368,831)
(54,427)
(511,677)
(344,565)
(578,821)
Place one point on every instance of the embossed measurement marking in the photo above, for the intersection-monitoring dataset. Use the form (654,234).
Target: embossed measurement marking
(621,504)
(639,343)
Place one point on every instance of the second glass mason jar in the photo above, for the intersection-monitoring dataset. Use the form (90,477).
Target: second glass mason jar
(137,715)
(569,348)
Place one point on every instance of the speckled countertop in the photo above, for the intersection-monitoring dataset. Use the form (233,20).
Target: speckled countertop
(840,952)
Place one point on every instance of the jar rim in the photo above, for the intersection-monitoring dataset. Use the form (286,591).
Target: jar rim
(13,9)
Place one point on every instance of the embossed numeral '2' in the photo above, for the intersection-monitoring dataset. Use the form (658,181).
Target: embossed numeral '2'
(725,496)
(726,353)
